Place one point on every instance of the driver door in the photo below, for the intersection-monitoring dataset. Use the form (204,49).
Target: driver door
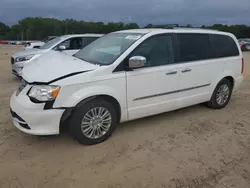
(151,89)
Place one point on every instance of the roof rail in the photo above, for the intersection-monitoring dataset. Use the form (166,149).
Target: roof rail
(194,28)
(171,26)
(166,26)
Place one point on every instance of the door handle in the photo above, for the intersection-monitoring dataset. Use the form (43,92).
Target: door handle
(171,72)
(186,70)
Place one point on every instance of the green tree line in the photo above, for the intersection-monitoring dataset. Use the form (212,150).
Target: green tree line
(39,28)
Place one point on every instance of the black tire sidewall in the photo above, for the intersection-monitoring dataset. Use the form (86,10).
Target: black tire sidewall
(78,114)
(213,101)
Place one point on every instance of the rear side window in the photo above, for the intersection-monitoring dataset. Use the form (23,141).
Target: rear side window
(223,46)
(193,46)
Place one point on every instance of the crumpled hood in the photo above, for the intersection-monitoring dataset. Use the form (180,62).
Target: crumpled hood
(29,52)
(54,65)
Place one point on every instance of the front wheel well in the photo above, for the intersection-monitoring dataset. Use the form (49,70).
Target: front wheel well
(113,101)
(68,112)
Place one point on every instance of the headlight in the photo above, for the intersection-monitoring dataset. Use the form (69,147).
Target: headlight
(43,93)
(23,58)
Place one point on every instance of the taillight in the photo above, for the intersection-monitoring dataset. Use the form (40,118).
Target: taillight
(242,66)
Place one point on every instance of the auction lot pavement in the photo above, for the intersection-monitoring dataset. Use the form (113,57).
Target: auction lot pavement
(193,147)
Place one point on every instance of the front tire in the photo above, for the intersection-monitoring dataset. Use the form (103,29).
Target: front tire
(93,122)
(221,95)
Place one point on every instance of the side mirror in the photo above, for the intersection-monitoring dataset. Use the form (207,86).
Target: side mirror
(137,62)
(62,47)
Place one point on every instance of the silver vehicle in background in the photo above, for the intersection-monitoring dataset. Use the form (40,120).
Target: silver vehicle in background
(68,44)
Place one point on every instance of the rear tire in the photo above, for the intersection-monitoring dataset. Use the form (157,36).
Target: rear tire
(90,129)
(221,95)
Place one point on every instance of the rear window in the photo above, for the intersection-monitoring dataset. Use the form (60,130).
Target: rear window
(193,47)
(223,46)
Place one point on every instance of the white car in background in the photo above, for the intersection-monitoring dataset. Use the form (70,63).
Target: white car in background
(38,44)
(68,44)
(124,76)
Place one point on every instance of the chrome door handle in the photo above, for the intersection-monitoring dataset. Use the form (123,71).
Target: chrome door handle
(171,72)
(186,70)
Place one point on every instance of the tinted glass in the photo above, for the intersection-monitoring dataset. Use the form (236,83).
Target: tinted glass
(193,47)
(75,43)
(157,50)
(223,46)
(65,43)
(71,44)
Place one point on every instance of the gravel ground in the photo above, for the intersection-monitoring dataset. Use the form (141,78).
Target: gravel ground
(195,147)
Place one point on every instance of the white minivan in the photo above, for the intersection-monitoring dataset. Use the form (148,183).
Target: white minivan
(68,44)
(123,76)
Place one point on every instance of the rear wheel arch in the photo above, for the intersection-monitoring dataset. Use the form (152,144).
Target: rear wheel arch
(213,103)
(226,75)
(229,78)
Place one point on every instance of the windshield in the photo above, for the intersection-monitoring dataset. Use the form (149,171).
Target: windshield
(105,50)
(51,43)
(44,40)
(47,39)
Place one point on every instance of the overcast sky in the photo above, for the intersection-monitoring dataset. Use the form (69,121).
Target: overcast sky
(196,12)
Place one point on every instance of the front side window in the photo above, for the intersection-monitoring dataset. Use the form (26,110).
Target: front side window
(158,50)
(193,47)
(105,50)
(71,44)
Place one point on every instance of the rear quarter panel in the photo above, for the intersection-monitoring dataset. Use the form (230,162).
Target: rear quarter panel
(231,66)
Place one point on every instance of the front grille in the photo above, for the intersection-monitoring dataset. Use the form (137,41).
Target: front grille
(22,85)
(12,60)
(21,122)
